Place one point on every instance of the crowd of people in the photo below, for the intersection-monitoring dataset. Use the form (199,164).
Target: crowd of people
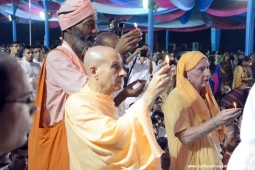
(103,102)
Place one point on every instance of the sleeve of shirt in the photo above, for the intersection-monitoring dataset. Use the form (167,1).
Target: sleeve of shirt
(132,62)
(62,72)
(154,67)
(24,68)
(177,117)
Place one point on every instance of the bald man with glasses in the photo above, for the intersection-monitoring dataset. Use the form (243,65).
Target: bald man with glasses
(17,104)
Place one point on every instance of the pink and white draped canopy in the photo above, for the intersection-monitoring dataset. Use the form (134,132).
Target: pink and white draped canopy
(175,15)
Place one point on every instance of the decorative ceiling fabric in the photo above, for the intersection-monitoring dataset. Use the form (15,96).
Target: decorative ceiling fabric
(2,2)
(165,4)
(169,16)
(203,5)
(226,9)
(175,15)
(184,4)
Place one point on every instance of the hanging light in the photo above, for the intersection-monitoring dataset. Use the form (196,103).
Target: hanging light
(42,15)
(145,3)
(10,18)
(13,17)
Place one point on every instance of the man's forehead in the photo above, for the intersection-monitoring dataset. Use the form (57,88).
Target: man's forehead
(15,45)
(116,58)
(90,18)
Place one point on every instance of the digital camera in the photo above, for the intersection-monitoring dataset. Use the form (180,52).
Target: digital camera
(116,26)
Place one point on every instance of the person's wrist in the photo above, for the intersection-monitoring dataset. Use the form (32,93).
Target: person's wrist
(215,122)
(124,93)
(149,96)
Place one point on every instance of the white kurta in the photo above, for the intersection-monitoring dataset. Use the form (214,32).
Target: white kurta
(38,62)
(139,71)
(31,69)
(243,157)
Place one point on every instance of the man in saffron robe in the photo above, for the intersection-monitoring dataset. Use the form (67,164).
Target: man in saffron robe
(97,138)
(194,123)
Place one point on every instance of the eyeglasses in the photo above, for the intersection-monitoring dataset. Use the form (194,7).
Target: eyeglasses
(158,103)
(234,133)
(159,117)
(28,98)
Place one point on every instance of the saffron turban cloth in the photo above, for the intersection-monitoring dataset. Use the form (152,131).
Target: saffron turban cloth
(71,12)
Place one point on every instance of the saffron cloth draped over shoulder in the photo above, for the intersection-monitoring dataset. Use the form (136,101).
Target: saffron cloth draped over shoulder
(184,108)
(98,139)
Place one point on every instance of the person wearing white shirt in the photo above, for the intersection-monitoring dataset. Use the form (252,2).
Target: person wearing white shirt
(37,51)
(31,69)
(14,49)
(140,67)
(243,157)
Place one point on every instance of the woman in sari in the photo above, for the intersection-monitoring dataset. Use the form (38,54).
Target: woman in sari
(226,70)
(194,123)
(241,78)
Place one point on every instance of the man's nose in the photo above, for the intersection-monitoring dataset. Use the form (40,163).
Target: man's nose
(123,72)
(95,30)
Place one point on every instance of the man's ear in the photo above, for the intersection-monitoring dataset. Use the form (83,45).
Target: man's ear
(69,30)
(93,72)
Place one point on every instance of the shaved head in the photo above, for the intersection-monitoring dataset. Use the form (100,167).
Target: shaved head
(106,39)
(97,55)
(103,66)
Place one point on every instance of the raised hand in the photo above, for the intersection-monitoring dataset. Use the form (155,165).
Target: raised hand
(160,81)
(131,92)
(129,41)
(227,115)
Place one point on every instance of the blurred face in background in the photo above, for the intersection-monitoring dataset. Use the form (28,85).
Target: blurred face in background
(37,54)
(28,55)
(160,61)
(155,58)
(14,49)
(143,55)
(227,57)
